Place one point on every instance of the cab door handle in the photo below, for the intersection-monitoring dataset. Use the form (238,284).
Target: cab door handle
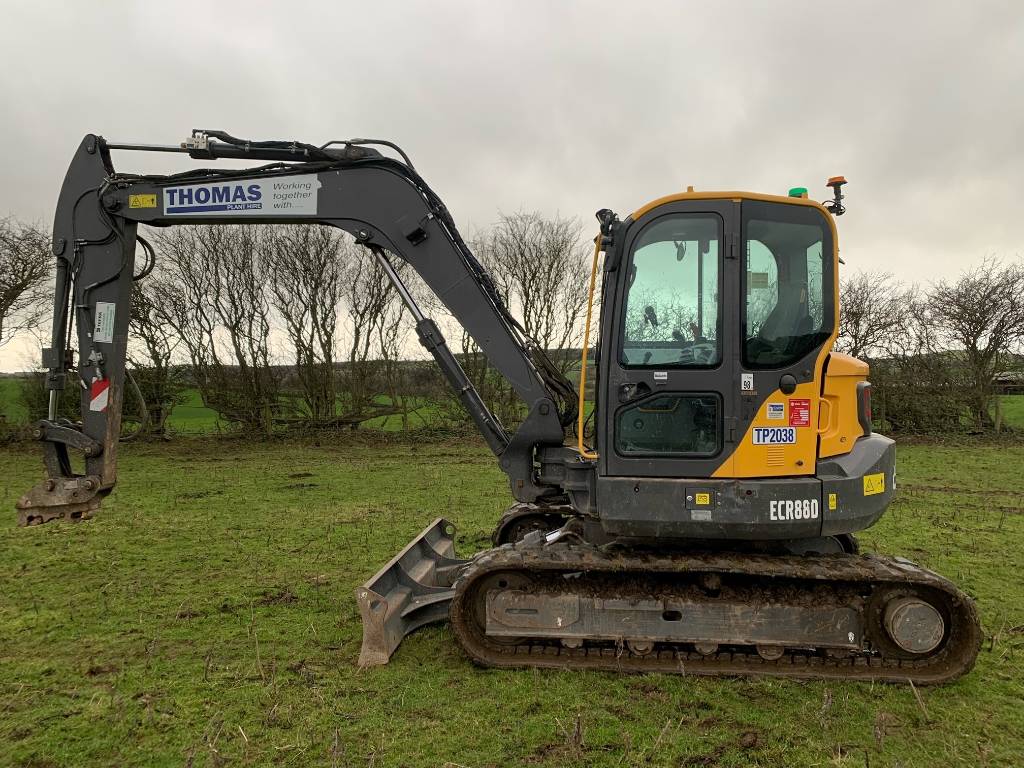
(633,390)
(824,414)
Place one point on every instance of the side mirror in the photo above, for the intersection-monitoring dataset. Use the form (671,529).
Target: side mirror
(650,316)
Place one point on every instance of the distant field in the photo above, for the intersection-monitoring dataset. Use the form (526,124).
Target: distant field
(192,418)
(10,401)
(206,618)
(1013,410)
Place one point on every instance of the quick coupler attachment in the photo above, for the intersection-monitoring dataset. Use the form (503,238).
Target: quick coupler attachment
(66,498)
(63,495)
(413,589)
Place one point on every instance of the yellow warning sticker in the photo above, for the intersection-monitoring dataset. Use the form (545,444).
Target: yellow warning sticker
(142,201)
(703,498)
(874,484)
(833,501)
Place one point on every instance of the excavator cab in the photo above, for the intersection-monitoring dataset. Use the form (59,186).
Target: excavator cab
(719,312)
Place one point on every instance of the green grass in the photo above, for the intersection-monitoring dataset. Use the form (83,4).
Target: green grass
(1013,410)
(191,417)
(11,408)
(206,617)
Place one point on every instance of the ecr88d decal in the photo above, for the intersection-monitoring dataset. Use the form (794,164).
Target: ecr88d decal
(780,510)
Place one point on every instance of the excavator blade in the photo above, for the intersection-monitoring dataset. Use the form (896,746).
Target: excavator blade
(413,589)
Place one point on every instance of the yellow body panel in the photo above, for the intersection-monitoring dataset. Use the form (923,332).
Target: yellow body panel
(838,423)
(749,460)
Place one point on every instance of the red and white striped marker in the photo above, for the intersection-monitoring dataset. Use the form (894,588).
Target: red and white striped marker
(99,395)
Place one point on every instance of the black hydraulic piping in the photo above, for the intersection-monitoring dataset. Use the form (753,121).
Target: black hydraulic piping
(433,340)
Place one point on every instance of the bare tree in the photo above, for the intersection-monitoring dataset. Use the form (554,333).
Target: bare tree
(214,291)
(940,359)
(873,313)
(160,382)
(25,265)
(392,331)
(373,313)
(979,317)
(673,314)
(307,267)
(918,386)
(540,266)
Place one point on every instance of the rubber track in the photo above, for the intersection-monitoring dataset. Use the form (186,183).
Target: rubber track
(955,658)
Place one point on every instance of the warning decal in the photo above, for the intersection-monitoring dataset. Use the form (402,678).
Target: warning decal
(99,395)
(800,413)
(142,201)
(874,484)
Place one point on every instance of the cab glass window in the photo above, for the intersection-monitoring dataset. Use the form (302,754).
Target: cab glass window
(671,316)
(788,284)
(670,425)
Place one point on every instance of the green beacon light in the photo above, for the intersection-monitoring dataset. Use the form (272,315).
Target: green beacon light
(798,192)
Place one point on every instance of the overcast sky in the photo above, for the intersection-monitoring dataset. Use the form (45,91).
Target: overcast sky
(560,106)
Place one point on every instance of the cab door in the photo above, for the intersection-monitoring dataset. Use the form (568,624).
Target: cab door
(788,318)
(667,400)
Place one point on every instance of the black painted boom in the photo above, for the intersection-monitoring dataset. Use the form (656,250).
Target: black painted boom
(382,202)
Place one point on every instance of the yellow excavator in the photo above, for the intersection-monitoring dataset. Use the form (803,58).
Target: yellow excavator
(709,527)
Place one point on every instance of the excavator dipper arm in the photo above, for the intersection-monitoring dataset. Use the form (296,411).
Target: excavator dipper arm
(381,201)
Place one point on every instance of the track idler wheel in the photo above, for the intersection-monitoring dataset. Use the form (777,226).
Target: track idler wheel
(913,624)
(907,623)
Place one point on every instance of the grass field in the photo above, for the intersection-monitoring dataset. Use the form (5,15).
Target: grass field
(11,408)
(206,617)
(1013,410)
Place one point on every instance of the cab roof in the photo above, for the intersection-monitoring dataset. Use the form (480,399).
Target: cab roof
(692,194)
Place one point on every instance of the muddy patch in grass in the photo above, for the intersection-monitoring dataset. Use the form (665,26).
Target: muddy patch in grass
(282,596)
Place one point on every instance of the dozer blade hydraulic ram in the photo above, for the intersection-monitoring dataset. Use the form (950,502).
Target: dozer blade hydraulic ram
(413,589)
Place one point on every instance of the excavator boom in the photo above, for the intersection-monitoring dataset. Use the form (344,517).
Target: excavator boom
(381,201)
